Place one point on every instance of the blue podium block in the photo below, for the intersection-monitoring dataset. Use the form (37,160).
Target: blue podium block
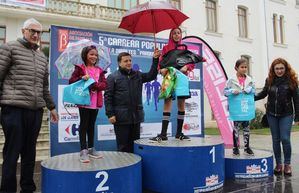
(116,172)
(178,166)
(248,167)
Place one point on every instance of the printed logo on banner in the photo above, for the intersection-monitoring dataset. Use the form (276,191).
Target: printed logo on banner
(194,75)
(253,169)
(212,180)
(106,132)
(211,183)
(63,39)
(71,133)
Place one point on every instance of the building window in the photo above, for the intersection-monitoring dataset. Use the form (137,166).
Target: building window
(281,27)
(242,19)
(123,4)
(45,43)
(2,34)
(176,3)
(248,59)
(275,28)
(278,29)
(211,11)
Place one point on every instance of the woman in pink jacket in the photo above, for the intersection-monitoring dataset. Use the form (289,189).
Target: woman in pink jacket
(89,113)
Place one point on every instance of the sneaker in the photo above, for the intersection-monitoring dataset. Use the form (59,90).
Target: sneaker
(248,151)
(84,156)
(236,151)
(92,152)
(278,169)
(159,138)
(287,170)
(181,136)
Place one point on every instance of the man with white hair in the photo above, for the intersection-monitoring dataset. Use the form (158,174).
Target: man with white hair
(24,91)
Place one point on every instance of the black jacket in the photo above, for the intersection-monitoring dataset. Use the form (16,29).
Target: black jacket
(123,96)
(282,100)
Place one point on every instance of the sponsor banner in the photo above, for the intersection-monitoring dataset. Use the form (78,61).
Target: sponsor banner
(214,84)
(64,135)
(147,130)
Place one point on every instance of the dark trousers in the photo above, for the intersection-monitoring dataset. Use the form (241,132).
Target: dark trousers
(87,121)
(126,135)
(21,128)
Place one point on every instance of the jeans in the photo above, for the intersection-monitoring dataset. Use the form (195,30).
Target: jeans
(281,130)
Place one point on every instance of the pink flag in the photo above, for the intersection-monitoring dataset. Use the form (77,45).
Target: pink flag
(214,80)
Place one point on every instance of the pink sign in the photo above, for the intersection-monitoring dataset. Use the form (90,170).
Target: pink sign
(214,82)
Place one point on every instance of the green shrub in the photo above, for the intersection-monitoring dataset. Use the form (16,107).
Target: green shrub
(256,123)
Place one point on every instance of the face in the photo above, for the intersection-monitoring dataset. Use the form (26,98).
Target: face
(176,35)
(126,62)
(32,33)
(92,57)
(242,69)
(279,70)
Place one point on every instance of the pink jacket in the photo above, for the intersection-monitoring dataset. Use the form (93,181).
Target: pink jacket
(99,85)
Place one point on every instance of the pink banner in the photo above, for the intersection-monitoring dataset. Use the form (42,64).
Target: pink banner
(214,82)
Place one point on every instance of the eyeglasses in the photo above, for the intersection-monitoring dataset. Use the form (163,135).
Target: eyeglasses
(281,68)
(33,31)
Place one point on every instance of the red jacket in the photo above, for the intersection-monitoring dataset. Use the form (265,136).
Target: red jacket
(98,86)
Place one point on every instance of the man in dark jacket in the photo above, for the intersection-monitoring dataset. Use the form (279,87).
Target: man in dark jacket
(24,91)
(123,99)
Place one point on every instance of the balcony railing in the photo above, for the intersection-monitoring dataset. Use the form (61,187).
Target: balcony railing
(85,10)
(94,11)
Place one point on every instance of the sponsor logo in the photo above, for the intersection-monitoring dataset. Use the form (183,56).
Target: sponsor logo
(212,180)
(63,39)
(72,130)
(253,169)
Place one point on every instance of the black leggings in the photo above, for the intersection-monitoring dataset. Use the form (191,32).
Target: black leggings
(87,122)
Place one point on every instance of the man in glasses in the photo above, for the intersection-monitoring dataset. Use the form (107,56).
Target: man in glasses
(24,91)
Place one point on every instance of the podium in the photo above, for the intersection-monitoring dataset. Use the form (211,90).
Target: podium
(248,167)
(115,172)
(176,166)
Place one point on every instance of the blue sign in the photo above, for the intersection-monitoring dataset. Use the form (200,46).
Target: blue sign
(65,134)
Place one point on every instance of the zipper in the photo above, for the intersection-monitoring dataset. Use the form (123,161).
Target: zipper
(276,101)
(35,101)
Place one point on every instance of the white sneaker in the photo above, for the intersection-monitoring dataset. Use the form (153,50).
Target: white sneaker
(84,156)
(92,152)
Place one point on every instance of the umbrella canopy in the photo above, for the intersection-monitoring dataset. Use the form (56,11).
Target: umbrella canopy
(72,55)
(152,17)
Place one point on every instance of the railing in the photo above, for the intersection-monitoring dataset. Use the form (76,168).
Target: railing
(94,11)
(85,10)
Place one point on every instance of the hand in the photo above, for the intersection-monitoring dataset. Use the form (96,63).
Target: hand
(163,71)
(184,69)
(112,119)
(157,53)
(235,92)
(296,123)
(54,116)
(85,77)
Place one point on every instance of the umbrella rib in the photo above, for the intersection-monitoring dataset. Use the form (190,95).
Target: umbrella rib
(172,18)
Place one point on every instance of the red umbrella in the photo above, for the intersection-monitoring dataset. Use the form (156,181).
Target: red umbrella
(152,17)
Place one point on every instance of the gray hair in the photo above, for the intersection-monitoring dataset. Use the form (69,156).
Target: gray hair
(30,21)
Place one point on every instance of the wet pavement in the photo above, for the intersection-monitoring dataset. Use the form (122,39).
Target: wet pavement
(276,184)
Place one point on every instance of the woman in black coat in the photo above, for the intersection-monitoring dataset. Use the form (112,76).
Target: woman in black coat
(282,109)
